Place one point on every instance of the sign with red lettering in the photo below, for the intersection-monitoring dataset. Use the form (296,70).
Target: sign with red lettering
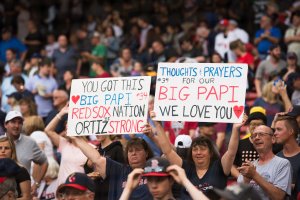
(105,106)
(201,92)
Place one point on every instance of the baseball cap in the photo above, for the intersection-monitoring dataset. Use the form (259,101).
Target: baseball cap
(183,141)
(13,114)
(18,96)
(8,167)
(257,112)
(224,22)
(233,22)
(295,111)
(96,34)
(291,55)
(79,181)
(156,166)
(237,192)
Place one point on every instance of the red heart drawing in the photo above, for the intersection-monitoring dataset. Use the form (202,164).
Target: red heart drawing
(75,98)
(238,110)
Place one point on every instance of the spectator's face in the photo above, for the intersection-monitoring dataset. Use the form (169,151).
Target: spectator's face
(50,39)
(255,123)
(216,59)
(95,41)
(9,55)
(282,133)
(24,108)
(62,41)
(201,155)
(68,76)
(14,127)
(291,61)
(296,20)
(6,35)
(296,84)
(276,53)
(126,54)
(265,22)
(137,156)
(5,150)
(14,69)
(262,139)
(157,47)
(45,70)
(207,130)
(159,187)
(59,99)
(185,45)
(70,193)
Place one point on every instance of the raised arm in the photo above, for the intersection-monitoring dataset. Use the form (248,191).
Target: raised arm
(228,158)
(165,144)
(92,154)
(180,177)
(132,182)
(50,128)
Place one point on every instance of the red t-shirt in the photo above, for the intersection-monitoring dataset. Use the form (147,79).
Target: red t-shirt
(247,58)
(103,75)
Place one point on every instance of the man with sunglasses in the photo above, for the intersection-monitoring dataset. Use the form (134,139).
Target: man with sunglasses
(270,175)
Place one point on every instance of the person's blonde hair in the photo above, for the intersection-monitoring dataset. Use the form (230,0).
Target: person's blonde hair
(33,123)
(53,168)
(12,147)
(268,94)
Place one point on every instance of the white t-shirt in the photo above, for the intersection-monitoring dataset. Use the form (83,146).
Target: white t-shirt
(41,138)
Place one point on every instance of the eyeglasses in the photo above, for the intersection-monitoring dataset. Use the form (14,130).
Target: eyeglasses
(259,134)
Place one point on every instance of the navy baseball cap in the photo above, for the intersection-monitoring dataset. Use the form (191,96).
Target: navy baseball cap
(79,181)
(156,166)
(295,111)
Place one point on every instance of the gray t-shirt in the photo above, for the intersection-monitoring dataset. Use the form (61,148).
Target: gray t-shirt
(277,172)
(27,151)
(267,68)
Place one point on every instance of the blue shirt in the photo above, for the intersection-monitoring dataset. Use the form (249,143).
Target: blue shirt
(49,84)
(264,45)
(12,43)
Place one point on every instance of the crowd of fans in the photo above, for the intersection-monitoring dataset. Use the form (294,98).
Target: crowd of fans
(46,44)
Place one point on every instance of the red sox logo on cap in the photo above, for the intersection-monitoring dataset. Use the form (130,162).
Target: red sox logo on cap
(154,163)
(72,178)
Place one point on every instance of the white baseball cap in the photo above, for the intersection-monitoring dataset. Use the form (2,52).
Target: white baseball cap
(13,114)
(183,141)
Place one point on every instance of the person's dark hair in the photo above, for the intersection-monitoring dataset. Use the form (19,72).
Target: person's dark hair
(290,122)
(217,54)
(12,50)
(237,44)
(295,13)
(145,18)
(17,79)
(203,141)
(46,61)
(137,142)
(31,104)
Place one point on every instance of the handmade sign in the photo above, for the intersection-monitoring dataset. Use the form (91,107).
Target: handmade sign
(202,92)
(108,105)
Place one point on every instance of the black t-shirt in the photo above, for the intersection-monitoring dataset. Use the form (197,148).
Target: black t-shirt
(117,174)
(22,176)
(113,151)
(245,151)
(213,178)
(295,162)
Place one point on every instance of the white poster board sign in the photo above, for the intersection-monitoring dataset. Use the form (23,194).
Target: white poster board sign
(108,106)
(200,92)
